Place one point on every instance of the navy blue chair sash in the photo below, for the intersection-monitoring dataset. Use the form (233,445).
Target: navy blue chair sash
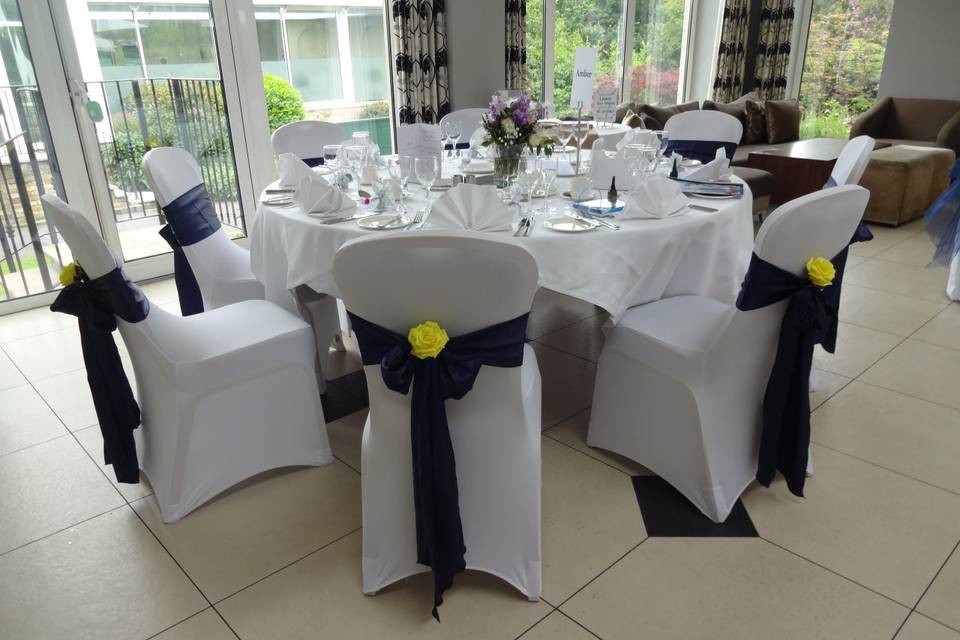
(460,145)
(451,374)
(943,219)
(191,218)
(96,303)
(863,233)
(810,319)
(702,150)
(313,162)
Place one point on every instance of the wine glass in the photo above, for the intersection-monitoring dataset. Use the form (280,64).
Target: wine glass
(528,176)
(580,131)
(634,155)
(330,154)
(399,168)
(455,131)
(651,156)
(664,138)
(445,136)
(427,169)
(354,158)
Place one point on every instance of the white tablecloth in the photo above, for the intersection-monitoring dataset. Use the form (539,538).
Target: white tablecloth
(702,253)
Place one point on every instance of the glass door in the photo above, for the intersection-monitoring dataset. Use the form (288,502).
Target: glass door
(144,75)
(31,253)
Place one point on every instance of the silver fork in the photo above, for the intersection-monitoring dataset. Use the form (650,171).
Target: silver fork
(417,219)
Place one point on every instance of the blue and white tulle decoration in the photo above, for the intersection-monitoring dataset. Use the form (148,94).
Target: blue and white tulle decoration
(943,220)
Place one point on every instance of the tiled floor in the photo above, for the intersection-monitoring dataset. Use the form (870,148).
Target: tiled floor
(871,552)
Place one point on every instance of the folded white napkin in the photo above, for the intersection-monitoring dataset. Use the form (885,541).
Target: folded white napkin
(472,207)
(316,196)
(564,168)
(603,168)
(638,136)
(293,170)
(716,169)
(655,197)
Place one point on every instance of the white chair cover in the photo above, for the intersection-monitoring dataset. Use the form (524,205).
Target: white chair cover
(704,125)
(224,395)
(469,119)
(853,160)
(305,139)
(221,267)
(680,381)
(465,282)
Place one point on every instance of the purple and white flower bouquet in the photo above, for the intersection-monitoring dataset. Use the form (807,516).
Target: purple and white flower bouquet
(511,126)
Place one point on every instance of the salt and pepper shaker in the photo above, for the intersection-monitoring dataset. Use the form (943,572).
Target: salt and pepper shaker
(612,193)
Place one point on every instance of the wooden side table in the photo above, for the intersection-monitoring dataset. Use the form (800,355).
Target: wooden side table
(799,167)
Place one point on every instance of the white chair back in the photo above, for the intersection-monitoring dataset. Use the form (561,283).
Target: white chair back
(853,160)
(88,248)
(817,224)
(171,172)
(469,119)
(464,281)
(704,125)
(305,139)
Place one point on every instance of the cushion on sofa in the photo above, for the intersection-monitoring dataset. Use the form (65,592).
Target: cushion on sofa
(661,114)
(633,120)
(755,129)
(783,121)
(737,108)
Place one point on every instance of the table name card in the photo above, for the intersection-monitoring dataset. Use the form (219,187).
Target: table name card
(420,141)
(584,66)
(605,105)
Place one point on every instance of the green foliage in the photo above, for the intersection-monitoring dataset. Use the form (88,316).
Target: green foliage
(284,103)
(655,58)
(841,73)
(379,109)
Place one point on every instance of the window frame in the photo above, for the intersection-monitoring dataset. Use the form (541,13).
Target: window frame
(626,43)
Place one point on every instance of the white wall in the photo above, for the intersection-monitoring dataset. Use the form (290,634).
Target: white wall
(923,50)
(475,48)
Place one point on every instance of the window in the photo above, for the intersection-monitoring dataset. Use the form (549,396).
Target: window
(841,71)
(650,74)
(657,38)
(335,56)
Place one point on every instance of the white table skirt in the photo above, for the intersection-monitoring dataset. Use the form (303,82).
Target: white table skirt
(700,253)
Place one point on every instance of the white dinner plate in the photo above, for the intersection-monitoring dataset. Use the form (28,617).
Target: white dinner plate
(554,189)
(278,201)
(383,222)
(478,166)
(567,224)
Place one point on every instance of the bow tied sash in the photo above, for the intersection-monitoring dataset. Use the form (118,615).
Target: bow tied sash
(96,303)
(702,150)
(810,319)
(450,375)
(191,218)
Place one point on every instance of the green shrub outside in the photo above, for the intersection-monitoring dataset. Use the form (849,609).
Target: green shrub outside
(284,103)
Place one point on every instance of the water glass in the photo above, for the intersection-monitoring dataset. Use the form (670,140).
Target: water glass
(331,153)
(528,176)
(427,169)
(548,175)
(400,167)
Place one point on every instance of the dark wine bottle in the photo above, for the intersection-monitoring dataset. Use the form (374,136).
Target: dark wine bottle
(674,172)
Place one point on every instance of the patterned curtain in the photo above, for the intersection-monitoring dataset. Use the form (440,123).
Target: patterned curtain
(773,49)
(728,85)
(516,54)
(420,50)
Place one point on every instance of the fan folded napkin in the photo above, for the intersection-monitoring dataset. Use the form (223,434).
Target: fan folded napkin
(639,136)
(293,170)
(655,197)
(314,195)
(716,169)
(471,207)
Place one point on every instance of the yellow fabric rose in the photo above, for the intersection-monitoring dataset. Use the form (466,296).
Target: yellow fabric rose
(69,274)
(427,340)
(821,271)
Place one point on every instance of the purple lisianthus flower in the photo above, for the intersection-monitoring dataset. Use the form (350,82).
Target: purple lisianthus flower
(520,117)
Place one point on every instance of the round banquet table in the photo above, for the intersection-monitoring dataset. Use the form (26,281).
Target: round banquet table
(699,252)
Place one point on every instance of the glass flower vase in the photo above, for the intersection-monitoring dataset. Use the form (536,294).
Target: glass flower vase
(506,159)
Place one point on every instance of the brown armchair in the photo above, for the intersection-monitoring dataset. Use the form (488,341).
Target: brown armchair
(912,121)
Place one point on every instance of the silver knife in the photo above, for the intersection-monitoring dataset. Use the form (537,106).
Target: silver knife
(600,221)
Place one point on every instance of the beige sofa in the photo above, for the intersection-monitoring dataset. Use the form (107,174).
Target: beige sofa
(917,122)
(904,180)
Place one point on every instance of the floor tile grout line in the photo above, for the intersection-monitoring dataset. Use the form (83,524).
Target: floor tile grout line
(834,572)
(935,576)
(579,624)
(880,466)
(596,577)
(62,529)
(872,364)
(566,326)
(286,566)
(35,444)
(573,355)
(909,395)
(528,629)
(584,453)
(179,622)
(846,384)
